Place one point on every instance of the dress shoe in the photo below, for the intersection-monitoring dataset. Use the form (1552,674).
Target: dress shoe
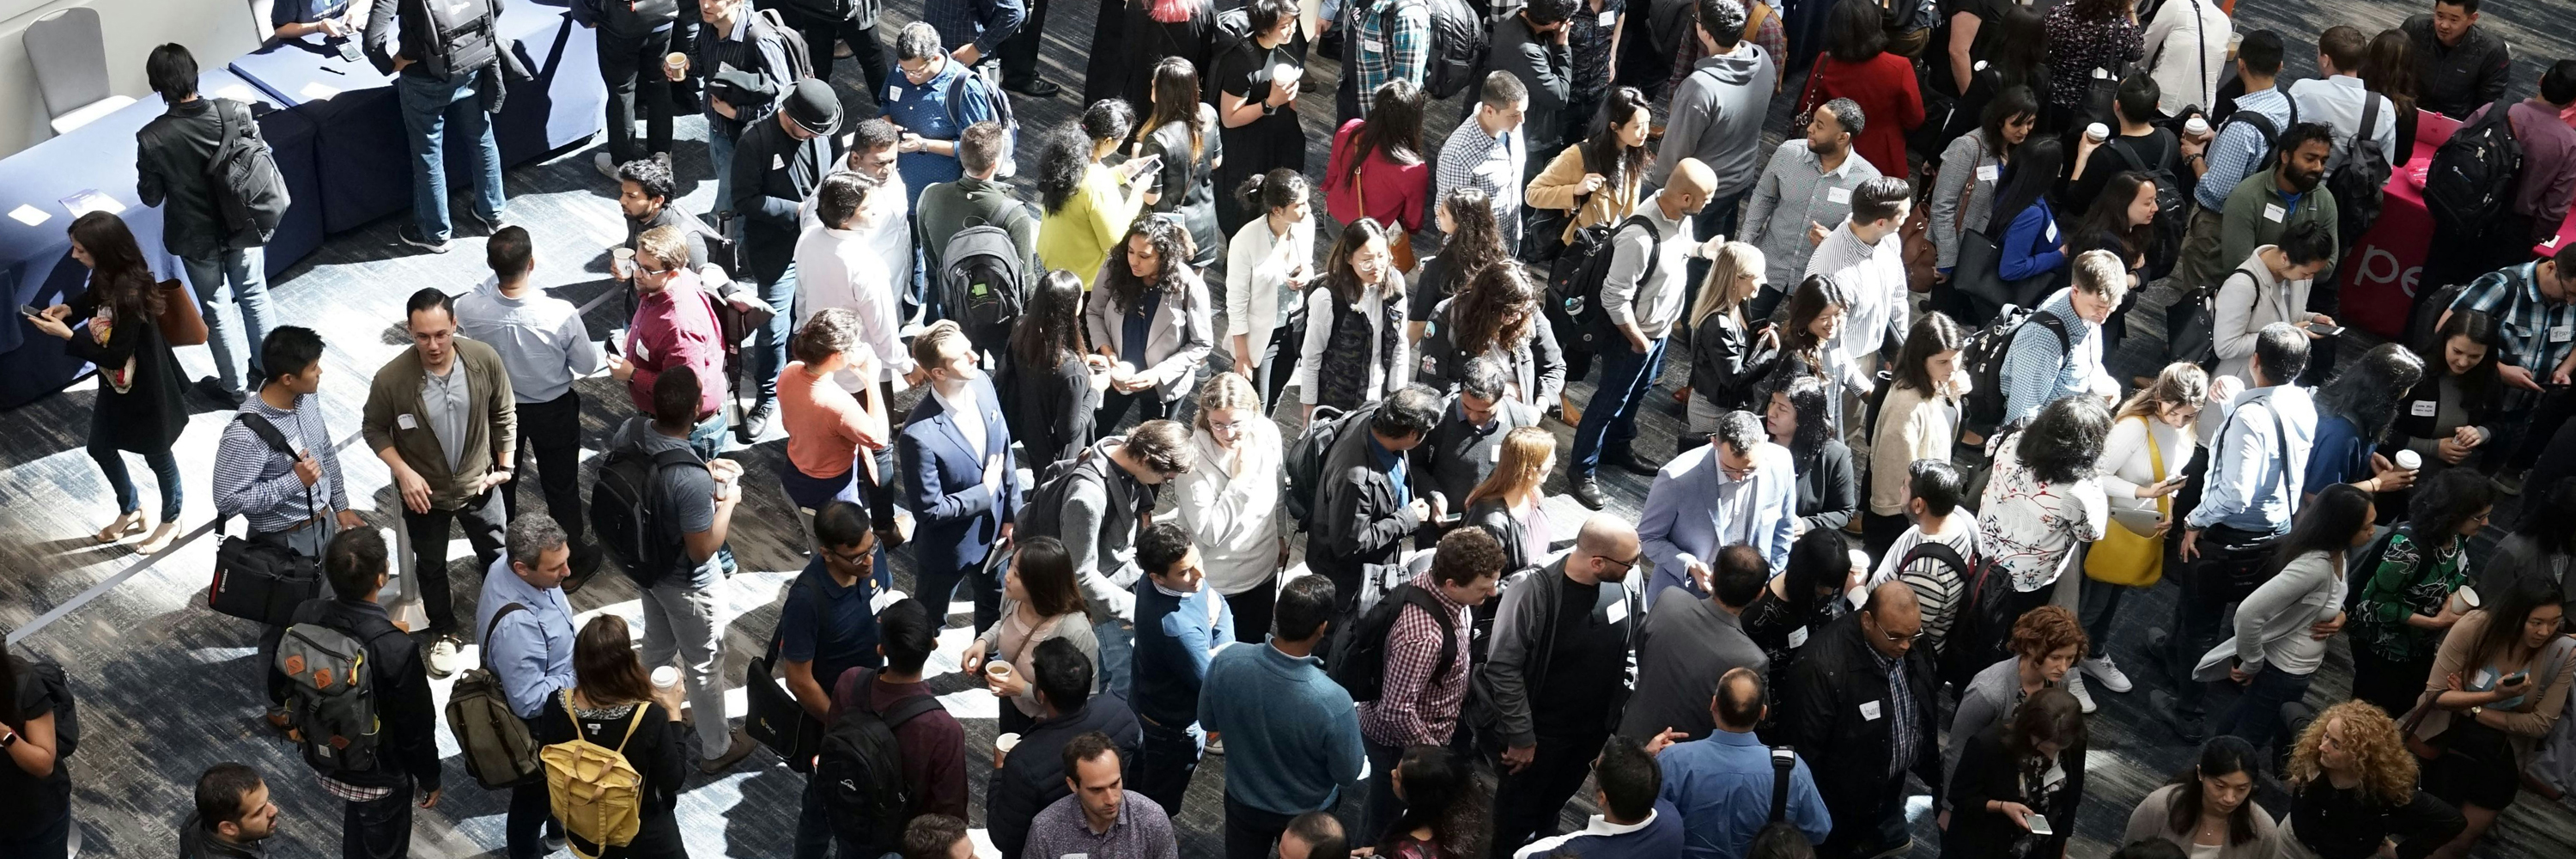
(1587,492)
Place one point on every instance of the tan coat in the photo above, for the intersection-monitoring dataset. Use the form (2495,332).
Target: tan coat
(2524,725)
(491,421)
(1555,189)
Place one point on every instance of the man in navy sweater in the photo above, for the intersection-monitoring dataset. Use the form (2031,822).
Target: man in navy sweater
(1179,624)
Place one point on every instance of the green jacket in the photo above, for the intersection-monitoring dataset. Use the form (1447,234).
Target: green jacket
(395,418)
(2244,226)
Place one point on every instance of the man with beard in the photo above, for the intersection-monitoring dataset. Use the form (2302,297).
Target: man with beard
(1806,189)
(2267,204)
(644,189)
(1557,677)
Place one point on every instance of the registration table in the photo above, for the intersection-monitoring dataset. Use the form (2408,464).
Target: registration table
(92,168)
(362,146)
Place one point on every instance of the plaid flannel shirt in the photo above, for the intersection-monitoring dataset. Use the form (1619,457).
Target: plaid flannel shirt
(1416,707)
(2532,325)
(1489,163)
(1382,56)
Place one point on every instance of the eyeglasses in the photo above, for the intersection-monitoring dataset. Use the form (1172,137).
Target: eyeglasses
(1628,564)
(656,272)
(1897,638)
(1229,427)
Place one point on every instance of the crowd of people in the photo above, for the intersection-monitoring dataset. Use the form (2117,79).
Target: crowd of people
(1909,482)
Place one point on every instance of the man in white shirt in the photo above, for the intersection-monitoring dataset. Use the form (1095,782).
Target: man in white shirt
(1642,293)
(2187,53)
(2338,100)
(838,266)
(1865,260)
(545,346)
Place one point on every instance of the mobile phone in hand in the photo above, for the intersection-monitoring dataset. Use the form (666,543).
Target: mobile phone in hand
(2326,330)
(31,311)
(2038,824)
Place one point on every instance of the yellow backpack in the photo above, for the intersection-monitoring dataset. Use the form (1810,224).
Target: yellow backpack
(595,793)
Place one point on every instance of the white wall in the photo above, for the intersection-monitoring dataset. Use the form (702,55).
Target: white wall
(215,30)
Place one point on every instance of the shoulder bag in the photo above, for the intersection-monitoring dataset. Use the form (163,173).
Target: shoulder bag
(2125,557)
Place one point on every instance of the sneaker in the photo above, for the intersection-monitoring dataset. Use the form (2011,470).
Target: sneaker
(1034,88)
(554,843)
(1588,492)
(2107,671)
(741,748)
(607,166)
(411,235)
(443,656)
(1216,747)
(490,225)
(2075,687)
(757,422)
(2184,725)
(2510,483)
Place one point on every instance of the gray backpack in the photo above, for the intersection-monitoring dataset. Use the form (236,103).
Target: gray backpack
(332,704)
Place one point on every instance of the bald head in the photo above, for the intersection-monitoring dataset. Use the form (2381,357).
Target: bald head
(1604,550)
(1689,188)
(1892,596)
(1738,704)
(1892,618)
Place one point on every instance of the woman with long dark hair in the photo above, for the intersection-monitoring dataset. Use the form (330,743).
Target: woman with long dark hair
(1972,172)
(32,776)
(2031,766)
(1828,494)
(2030,247)
(1356,316)
(1474,240)
(1040,600)
(1181,131)
(139,406)
(1256,105)
(2451,414)
(1731,357)
(1601,179)
(2352,791)
(2354,410)
(2044,643)
(2498,685)
(1050,394)
(2122,220)
(1088,204)
(1807,593)
(2275,652)
(1918,419)
(2389,70)
(1857,65)
(1496,317)
(1149,321)
(613,703)
(1379,169)
(2209,809)
(1447,807)
(2017,58)
(2409,600)
(1817,310)
(1267,268)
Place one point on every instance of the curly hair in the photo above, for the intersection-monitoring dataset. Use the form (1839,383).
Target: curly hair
(1475,240)
(2045,630)
(1172,250)
(1063,156)
(2063,443)
(2387,768)
(1478,313)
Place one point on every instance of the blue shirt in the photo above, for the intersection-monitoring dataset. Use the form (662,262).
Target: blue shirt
(923,109)
(2341,455)
(2037,371)
(1393,464)
(830,625)
(1136,329)
(1292,736)
(2249,488)
(1175,638)
(1721,786)
(983,23)
(2240,150)
(531,651)
(284,12)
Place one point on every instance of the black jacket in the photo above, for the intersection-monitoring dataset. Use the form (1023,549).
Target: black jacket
(1360,520)
(1537,364)
(379,39)
(170,155)
(773,173)
(1049,409)
(409,749)
(1832,688)
(1547,67)
(1032,774)
(1828,494)
(1492,515)
(1455,455)
(655,750)
(2456,81)
(1501,691)
(197,843)
(1986,772)
(1729,366)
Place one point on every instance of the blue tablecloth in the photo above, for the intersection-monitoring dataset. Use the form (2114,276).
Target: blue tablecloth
(35,260)
(362,146)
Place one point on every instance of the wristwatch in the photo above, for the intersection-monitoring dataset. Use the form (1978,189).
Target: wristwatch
(2477,711)
(8,739)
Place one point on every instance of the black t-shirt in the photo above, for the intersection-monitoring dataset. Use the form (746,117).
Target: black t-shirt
(1587,663)
(1246,72)
(36,803)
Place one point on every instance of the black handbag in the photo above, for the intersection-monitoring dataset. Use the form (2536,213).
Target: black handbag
(1976,274)
(773,716)
(257,577)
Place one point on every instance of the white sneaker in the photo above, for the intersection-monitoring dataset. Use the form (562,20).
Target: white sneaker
(443,655)
(2075,686)
(2107,671)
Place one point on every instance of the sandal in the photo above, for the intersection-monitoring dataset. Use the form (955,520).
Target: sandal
(161,538)
(126,525)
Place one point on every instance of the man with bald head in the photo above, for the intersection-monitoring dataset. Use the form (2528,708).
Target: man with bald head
(1859,706)
(1720,783)
(1689,643)
(1642,293)
(1556,676)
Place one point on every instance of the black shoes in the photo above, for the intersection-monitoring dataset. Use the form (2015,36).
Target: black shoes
(411,235)
(211,389)
(1627,459)
(1033,88)
(2185,725)
(1587,492)
(757,422)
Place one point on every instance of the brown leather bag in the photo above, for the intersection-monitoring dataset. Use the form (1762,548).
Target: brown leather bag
(181,323)
(1399,241)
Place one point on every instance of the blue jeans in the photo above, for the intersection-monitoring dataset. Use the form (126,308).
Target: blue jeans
(1610,420)
(814,836)
(769,344)
(111,464)
(428,105)
(1117,655)
(1164,765)
(2257,714)
(246,271)
(720,142)
(707,438)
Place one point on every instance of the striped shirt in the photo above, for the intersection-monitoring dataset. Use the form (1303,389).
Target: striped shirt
(1936,584)
(1382,55)
(1486,162)
(258,483)
(2535,328)
(1793,192)
(1416,707)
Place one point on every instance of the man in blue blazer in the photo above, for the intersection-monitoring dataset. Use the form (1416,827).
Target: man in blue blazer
(1738,488)
(958,476)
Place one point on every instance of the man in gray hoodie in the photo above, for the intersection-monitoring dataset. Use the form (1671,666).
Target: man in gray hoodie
(1717,117)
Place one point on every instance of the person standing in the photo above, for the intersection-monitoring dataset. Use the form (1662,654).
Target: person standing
(645,189)
(294,497)
(1862,702)
(1368,501)
(171,153)
(1050,394)
(2529,302)
(1633,817)
(1535,46)
(1179,133)
(1488,151)
(1268,265)
(2060,355)
(930,745)
(2340,98)
(2543,182)
(610,701)
(1100,816)
(1031,775)
(1716,115)
(2152,437)
(1087,213)
(141,407)
(1355,353)
(2042,504)
(1465,447)
(937,99)
(1292,736)
(1388,142)
(1857,65)
(634,39)
(1808,184)
(828,624)
(1257,84)
(1863,257)
(977,197)
(852,23)
(1230,507)
(376,801)
(447,456)
(2459,66)
(231,815)
(1151,323)
(2186,52)
(434,93)
(1112,490)
(1996,793)
(674,329)
(2282,628)
(959,478)
(2210,805)
(1642,294)
(840,265)
(2403,606)
(1427,662)
(2242,147)
(1390,40)
(782,159)
(1738,489)
(1691,644)
(976,27)
(1181,622)
(527,637)
(1721,781)
(1556,678)
(2087,41)
(742,62)
(545,345)
(34,778)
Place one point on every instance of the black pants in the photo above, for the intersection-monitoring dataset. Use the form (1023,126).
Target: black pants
(379,828)
(865,48)
(2459,256)
(551,431)
(936,588)
(531,816)
(1165,764)
(1527,804)
(2207,591)
(1020,51)
(1250,833)
(483,519)
(632,68)
(2393,684)
(1278,363)
(1252,611)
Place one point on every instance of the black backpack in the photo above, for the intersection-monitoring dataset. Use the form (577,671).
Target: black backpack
(982,284)
(1233,28)
(250,196)
(1359,661)
(860,768)
(1978,625)
(1042,513)
(260,579)
(2361,180)
(800,56)
(2472,175)
(2263,125)
(1985,352)
(460,38)
(2170,213)
(625,502)
(1306,455)
(1574,283)
(1460,38)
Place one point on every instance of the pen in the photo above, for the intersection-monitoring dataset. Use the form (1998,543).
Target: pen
(334,71)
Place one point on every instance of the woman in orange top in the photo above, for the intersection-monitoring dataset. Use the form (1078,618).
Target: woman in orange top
(826,426)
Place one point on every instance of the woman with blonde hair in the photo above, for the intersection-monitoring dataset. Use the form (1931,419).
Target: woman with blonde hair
(2141,466)
(1730,355)
(1230,503)
(1510,505)
(2352,790)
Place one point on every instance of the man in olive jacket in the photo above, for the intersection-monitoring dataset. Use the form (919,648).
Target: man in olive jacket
(443,419)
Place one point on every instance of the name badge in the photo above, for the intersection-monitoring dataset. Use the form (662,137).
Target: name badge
(2273,213)
(2421,408)
(407,422)
(894,93)
(1989,172)
(2052,231)
(642,353)
(777,162)
(1838,195)
(1869,711)
(2562,334)
(1618,611)
(1374,46)
(1609,19)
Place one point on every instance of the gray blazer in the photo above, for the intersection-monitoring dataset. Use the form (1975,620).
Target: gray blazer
(1176,343)
(1960,162)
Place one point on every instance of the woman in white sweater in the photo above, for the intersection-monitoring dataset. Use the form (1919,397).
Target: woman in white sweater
(1230,502)
(1266,269)
(1918,420)
(2282,628)
(2141,466)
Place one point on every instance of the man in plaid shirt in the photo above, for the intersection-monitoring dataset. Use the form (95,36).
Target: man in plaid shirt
(1388,39)
(1426,662)
(2536,320)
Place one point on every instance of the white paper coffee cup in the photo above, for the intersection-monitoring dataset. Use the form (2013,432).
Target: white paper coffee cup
(2097,132)
(666,677)
(2410,460)
(624,260)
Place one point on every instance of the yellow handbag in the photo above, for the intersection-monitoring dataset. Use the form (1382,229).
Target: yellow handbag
(2125,557)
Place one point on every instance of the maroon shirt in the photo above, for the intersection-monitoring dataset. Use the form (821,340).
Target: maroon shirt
(933,744)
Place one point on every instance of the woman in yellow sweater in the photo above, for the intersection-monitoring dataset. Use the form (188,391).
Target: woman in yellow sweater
(1599,179)
(1087,209)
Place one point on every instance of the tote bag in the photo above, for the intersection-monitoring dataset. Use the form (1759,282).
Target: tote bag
(2125,557)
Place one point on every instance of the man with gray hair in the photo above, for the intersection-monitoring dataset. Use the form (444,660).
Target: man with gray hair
(527,645)
(1487,152)
(1737,489)
(1463,449)
(1806,189)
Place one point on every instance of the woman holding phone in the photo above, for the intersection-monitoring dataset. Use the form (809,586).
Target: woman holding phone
(2497,687)
(2141,467)
(2019,782)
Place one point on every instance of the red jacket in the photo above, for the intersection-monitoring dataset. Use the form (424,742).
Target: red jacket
(676,328)
(1395,191)
(1890,105)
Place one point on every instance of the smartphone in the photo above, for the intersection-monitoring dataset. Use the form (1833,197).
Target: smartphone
(349,50)
(31,311)
(2326,330)
(2039,824)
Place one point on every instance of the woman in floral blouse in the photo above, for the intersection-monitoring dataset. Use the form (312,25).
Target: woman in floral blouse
(2082,36)
(2406,604)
